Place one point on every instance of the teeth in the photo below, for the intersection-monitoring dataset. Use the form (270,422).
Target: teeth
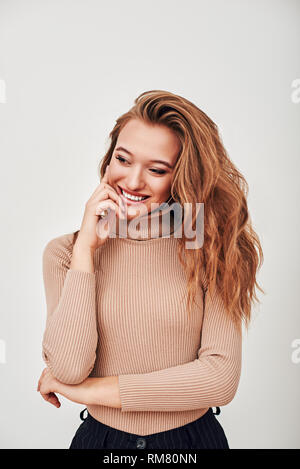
(132,197)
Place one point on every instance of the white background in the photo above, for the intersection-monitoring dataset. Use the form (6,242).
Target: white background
(70,68)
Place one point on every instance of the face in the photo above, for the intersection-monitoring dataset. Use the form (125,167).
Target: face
(133,167)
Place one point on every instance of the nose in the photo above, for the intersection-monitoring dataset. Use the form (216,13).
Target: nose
(134,181)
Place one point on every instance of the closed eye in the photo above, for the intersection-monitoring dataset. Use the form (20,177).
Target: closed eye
(123,160)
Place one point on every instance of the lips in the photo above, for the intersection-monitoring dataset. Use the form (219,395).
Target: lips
(130,202)
(131,193)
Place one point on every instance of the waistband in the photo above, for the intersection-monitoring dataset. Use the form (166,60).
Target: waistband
(96,423)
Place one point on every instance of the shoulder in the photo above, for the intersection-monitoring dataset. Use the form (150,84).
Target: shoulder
(59,250)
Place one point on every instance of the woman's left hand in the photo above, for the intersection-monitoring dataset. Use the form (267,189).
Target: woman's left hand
(47,386)
(91,391)
(82,393)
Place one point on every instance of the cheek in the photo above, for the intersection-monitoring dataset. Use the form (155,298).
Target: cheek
(162,189)
(114,170)
(116,174)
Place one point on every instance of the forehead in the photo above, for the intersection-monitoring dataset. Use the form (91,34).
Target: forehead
(145,141)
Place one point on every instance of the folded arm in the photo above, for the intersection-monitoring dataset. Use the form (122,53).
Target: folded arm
(208,381)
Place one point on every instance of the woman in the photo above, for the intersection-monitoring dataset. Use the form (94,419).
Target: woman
(142,329)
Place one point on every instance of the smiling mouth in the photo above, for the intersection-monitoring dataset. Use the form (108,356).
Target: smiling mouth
(129,200)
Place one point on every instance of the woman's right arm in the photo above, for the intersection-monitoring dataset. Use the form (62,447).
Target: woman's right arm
(70,337)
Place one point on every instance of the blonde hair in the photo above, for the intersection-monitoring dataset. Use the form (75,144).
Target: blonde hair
(231,253)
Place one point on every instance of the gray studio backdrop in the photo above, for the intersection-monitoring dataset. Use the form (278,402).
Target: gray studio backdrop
(68,69)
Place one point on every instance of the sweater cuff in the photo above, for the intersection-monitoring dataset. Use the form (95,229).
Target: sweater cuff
(81,275)
(137,393)
(129,396)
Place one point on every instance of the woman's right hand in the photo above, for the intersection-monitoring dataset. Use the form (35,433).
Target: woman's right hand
(92,232)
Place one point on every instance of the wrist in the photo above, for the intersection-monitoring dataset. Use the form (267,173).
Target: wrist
(81,247)
(82,257)
(105,391)
(82,393)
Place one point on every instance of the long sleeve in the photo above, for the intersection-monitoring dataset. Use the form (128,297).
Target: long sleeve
(210,380)
(70,337)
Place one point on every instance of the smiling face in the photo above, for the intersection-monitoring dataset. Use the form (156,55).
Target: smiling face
(134,169)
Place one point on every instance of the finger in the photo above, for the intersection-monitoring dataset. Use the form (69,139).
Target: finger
(44,372)
(103,180)
(51,398)
(105,204)
(109,192)
(40,380)
(104,184)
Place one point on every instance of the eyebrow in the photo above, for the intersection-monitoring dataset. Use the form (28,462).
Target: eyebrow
(151,161)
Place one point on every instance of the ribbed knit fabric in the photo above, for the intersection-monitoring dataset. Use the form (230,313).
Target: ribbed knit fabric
(129,319)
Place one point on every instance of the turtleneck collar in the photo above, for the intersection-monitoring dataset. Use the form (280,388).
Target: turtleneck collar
(159,223)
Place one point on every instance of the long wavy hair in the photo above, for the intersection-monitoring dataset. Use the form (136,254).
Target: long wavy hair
(231,252)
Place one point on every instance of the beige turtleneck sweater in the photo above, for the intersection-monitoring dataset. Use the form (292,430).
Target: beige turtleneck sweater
(129,319)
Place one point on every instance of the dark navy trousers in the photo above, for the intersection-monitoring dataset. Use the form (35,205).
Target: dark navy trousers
(203,433)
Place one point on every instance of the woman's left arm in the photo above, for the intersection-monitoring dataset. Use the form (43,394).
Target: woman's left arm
(92,391)
(210,380)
